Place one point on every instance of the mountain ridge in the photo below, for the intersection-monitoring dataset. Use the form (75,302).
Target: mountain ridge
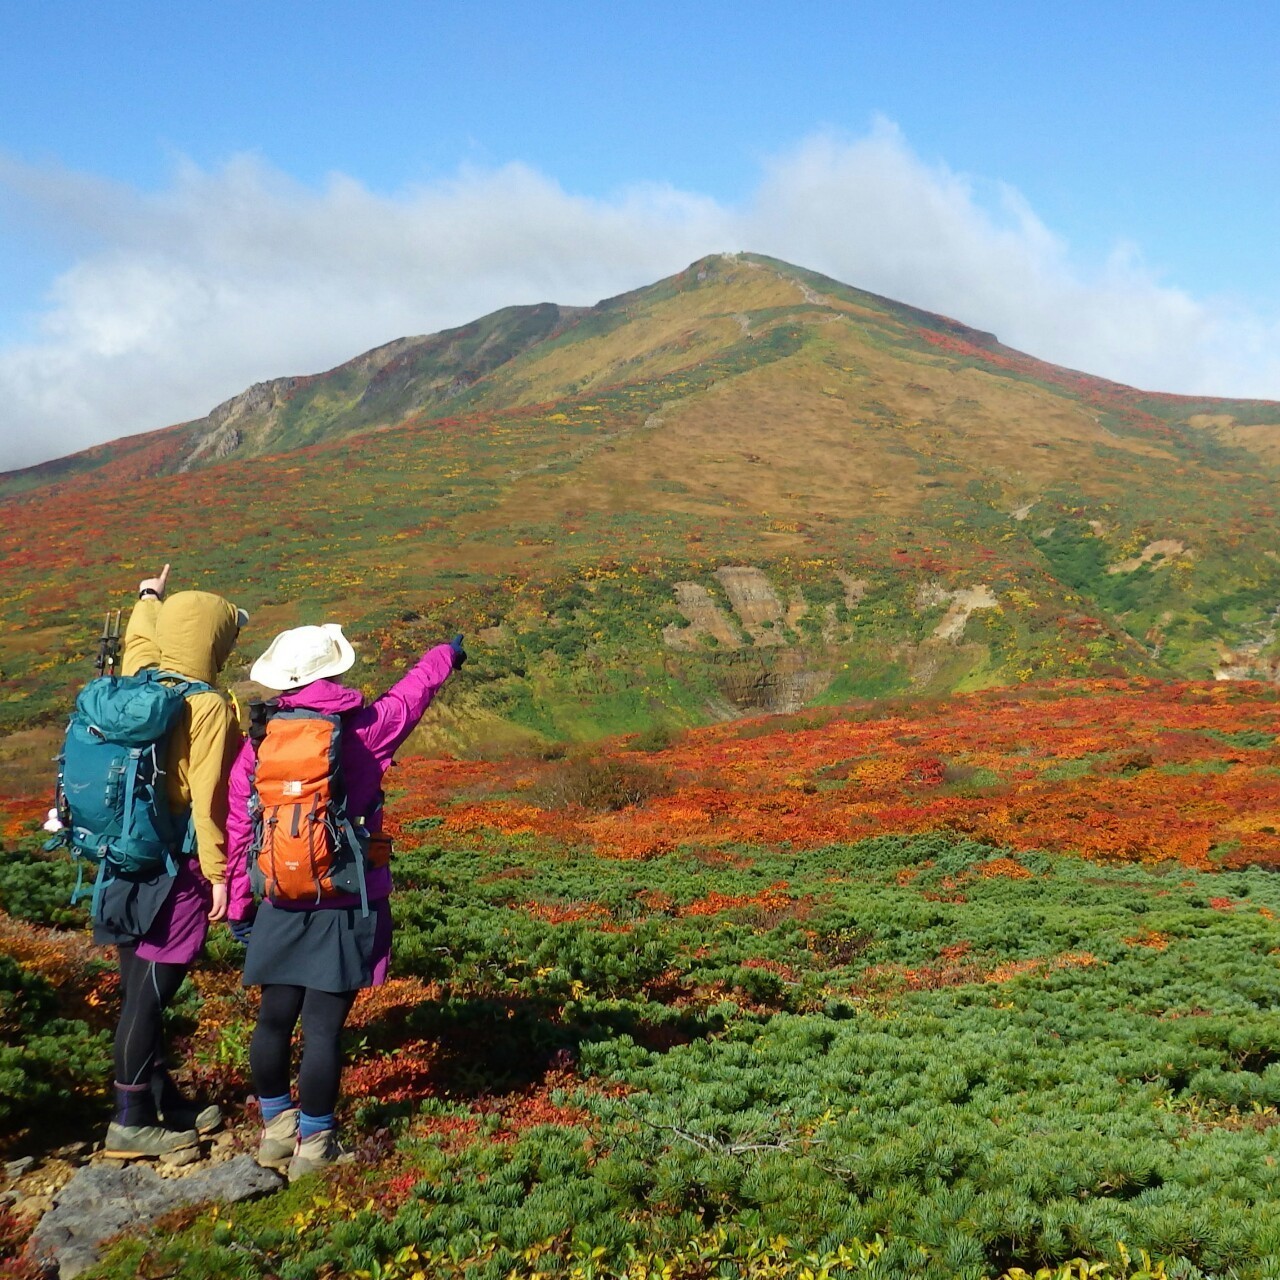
(459,358)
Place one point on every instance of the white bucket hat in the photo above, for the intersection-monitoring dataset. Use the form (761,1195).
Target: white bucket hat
(298,657)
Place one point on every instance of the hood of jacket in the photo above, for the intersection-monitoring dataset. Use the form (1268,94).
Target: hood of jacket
(195,632)
(323,695)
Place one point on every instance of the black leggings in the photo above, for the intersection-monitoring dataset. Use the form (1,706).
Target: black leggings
(146,988)
(323,1014)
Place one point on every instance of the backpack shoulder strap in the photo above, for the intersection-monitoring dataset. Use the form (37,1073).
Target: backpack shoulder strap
(260,714)
(357,847)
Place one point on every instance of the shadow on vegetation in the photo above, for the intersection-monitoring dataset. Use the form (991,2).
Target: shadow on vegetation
(488,1045)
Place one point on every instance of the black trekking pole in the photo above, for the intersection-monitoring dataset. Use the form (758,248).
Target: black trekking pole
(109,644)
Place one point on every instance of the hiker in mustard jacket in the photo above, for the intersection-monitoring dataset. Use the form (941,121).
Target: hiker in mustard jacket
(159,925)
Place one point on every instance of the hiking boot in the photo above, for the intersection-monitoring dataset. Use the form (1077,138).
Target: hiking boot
(279,1140)
(202,1119)
(151,1141)
(318,1152)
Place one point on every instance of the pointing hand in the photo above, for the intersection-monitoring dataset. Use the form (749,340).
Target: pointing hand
(156,584)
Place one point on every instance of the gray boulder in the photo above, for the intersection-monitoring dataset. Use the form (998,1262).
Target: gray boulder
(101,1201)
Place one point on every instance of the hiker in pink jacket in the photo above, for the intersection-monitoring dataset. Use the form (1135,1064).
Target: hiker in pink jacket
(311,957)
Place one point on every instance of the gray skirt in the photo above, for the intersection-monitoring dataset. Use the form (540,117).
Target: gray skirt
(128,907)
(327,948)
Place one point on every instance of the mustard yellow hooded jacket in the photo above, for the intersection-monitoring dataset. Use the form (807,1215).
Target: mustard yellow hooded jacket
(192,634)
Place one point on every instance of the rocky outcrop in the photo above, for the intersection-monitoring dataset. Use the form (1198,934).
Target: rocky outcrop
(962,603)
(378,388)
(213,447)
(771,673)
(777,681)
(102,1201)
(261,398)
(755,602)
(759,609)
(223,432)
(706,618)
(797,607)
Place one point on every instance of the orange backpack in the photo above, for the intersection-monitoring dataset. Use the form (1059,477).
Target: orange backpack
(306,848)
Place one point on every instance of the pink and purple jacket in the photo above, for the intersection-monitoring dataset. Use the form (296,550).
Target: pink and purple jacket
(370,737)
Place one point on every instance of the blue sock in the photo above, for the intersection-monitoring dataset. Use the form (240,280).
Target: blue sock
(311,1125)
(272,1107)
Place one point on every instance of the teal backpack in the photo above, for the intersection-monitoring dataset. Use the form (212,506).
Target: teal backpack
(111,797)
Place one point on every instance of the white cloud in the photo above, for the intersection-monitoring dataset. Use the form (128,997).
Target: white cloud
(873,214)
(180,299)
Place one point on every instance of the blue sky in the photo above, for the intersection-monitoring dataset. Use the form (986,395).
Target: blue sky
(196,196)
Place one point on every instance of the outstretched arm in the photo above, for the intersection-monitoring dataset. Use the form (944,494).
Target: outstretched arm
(392,717)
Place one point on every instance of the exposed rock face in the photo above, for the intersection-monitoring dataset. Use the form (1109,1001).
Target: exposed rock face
(754,601)
(380,387)
(759,609)
(222,435)
(101,1201)
(228,444)
(931,594)
(776,681)
(773,674)
(1238,666)
(213,447)
(262,397)
(962,602)
(770,674)
(797,607)
(706,618)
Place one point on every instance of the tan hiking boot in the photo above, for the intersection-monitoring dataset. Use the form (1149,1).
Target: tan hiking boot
(279,1140)
(318,1152)
(150,1142)
(203,1120)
